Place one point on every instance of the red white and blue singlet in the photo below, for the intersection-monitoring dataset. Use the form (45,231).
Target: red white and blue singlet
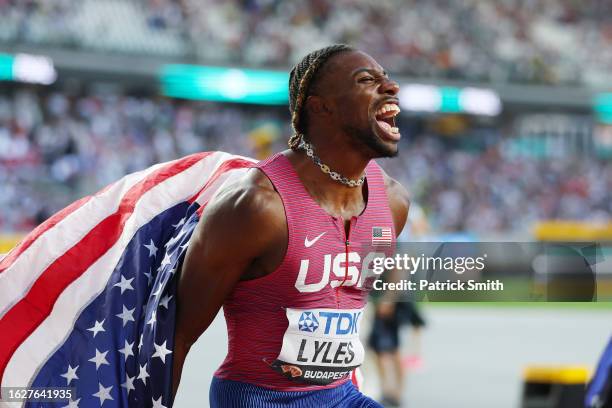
(297,328)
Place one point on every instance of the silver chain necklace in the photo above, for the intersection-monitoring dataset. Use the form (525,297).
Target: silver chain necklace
(325,168)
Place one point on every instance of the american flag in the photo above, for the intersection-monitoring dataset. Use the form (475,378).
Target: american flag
(599,388)
(381,236)
(87,300)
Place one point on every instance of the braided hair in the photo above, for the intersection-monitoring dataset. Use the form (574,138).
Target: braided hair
(302,76)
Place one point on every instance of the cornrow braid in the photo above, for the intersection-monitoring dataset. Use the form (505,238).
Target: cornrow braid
(301,77)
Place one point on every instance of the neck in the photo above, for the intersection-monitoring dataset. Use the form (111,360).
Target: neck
(331,194)
(340,157)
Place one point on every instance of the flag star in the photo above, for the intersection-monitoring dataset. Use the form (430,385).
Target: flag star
(70,374)
(158,403)
(140,342)
(170,242)
(127,315)
(185,245)
(143,375)
(97,327)
(99,359)
(152,248)
(166,260)
(149,277)
(164,301)
(180,235)
(157,291)
(103,393)
(180,223)
(72,404)
(161,351)
(125,284)
(127,350)
(173,240)
(128,384)
(153,318)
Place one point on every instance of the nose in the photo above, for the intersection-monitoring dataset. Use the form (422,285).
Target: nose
(389,87)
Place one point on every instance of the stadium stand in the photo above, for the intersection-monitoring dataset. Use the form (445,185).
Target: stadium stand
(511,41)
(74,145)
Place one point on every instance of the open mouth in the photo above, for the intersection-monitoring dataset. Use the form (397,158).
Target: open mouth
(385,118)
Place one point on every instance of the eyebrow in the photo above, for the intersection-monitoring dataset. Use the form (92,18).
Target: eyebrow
(369,70)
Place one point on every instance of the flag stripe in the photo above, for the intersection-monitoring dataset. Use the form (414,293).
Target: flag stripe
(381,236)
(29,312)
(231,164)
(33,353)
(58,217)
(206,192)
(215,188)
(38,231)
(17,279)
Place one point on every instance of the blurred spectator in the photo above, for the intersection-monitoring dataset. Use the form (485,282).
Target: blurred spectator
(497,192)
(544,41)
(55,148)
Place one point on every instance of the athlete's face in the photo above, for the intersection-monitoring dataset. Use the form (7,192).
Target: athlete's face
(363,102)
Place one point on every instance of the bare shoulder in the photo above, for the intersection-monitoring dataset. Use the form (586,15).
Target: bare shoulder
(250,205)
(399,201)
(240,225)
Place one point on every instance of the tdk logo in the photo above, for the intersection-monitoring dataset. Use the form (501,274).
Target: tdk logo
(340,322)
(308,322)
(334,323)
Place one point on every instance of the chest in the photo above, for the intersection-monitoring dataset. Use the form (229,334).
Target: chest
(327,254)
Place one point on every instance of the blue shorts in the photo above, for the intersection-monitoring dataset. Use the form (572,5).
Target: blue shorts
(235,394)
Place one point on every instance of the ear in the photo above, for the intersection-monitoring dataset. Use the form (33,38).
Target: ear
(316,105)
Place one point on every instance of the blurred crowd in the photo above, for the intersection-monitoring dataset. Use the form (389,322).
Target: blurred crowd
(495,191)
(55,148)
(538,41)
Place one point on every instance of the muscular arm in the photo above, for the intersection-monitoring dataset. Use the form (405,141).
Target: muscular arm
(237,228)
(398,201)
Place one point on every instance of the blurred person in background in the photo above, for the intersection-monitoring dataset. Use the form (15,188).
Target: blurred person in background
(385,338)
(385,341)
(56,147)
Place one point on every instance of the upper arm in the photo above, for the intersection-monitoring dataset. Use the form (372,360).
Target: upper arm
(399,202)
(228,238)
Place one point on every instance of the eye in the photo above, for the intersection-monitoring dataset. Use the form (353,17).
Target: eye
(366,79)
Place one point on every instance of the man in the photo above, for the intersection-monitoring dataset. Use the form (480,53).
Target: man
(384,340)
(277,248)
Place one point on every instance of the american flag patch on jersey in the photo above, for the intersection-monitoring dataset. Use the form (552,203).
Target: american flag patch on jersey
(381,236)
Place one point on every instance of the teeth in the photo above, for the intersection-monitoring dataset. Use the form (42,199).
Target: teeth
(388,107)
(394,129)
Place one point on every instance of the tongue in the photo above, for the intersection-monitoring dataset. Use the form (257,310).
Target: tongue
(384,125)
(390,135)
